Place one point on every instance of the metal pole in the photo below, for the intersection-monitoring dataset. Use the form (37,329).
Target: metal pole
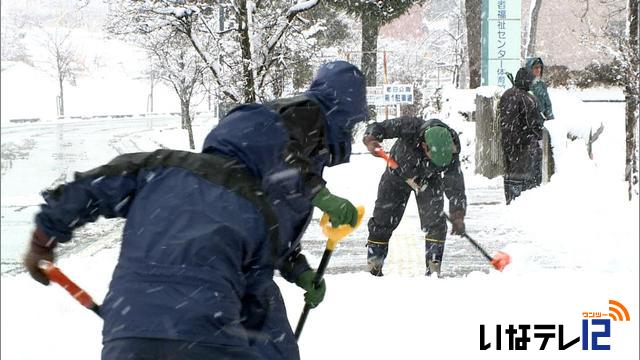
(386,108)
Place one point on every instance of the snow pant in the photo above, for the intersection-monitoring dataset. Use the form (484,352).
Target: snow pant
(393,194)
(163,349)
(519,170)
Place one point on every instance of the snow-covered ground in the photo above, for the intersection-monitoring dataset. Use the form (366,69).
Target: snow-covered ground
(573,242)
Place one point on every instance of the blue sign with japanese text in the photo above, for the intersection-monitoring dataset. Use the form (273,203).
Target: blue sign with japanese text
(501,32)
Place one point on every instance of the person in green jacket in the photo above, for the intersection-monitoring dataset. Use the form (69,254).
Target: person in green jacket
(539,90)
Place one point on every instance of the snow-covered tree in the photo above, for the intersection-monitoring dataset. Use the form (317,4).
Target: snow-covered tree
(175,62)
(245,54)
(444,46)
(12,34)
(621,42)
(178,65)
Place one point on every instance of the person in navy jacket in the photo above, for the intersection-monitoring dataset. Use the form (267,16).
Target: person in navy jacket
(205,232)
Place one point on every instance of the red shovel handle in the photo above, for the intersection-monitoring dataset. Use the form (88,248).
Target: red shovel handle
(56,275)
(390,162)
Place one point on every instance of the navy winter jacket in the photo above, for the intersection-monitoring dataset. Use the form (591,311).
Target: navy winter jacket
(194,252)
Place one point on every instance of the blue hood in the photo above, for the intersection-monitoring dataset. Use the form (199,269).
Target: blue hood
(252,133)
(340,89)
(255,134)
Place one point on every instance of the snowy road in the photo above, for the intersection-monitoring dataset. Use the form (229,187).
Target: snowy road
(40,156)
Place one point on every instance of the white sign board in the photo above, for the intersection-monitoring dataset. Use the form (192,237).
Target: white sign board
(398,94)
(390,94)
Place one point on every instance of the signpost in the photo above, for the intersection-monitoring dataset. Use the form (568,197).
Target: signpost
(390,94)
(398,94)
(500,41)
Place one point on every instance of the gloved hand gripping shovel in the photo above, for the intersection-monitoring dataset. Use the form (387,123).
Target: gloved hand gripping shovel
(499,261)
(394,165)
(334,235)
(57,276)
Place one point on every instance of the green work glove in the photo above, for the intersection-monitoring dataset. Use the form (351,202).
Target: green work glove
(341,211)
(313,296)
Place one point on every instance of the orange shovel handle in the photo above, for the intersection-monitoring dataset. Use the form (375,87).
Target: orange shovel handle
(56,275)
(390,162)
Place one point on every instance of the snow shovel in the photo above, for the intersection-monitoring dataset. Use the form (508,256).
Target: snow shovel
(57,276)
(499,261)
(394,165)
(334,235)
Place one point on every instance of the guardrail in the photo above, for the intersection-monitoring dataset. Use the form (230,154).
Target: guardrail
(24,120)
(112,116)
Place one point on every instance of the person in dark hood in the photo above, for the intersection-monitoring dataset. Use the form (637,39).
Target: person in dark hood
(427,153)
(205,232)
(521,130)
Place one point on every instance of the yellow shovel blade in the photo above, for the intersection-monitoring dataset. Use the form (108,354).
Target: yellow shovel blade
(336,234)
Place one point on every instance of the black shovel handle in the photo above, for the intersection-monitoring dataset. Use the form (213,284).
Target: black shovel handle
(316,282)
(475,243)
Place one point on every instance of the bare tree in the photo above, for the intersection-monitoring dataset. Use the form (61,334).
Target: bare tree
(532,28)
(178,65)
(474,26)
(63,59)
(151,73)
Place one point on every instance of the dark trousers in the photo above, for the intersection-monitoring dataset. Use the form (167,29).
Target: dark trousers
(520,172)
(536,154)
(393,194)
(161,349)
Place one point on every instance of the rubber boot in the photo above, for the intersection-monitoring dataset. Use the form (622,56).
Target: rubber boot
(434,249)
(433,267)
(376,253)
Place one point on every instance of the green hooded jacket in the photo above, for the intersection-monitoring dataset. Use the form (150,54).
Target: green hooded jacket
(539,89)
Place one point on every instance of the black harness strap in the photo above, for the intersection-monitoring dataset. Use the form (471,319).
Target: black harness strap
(215,168)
